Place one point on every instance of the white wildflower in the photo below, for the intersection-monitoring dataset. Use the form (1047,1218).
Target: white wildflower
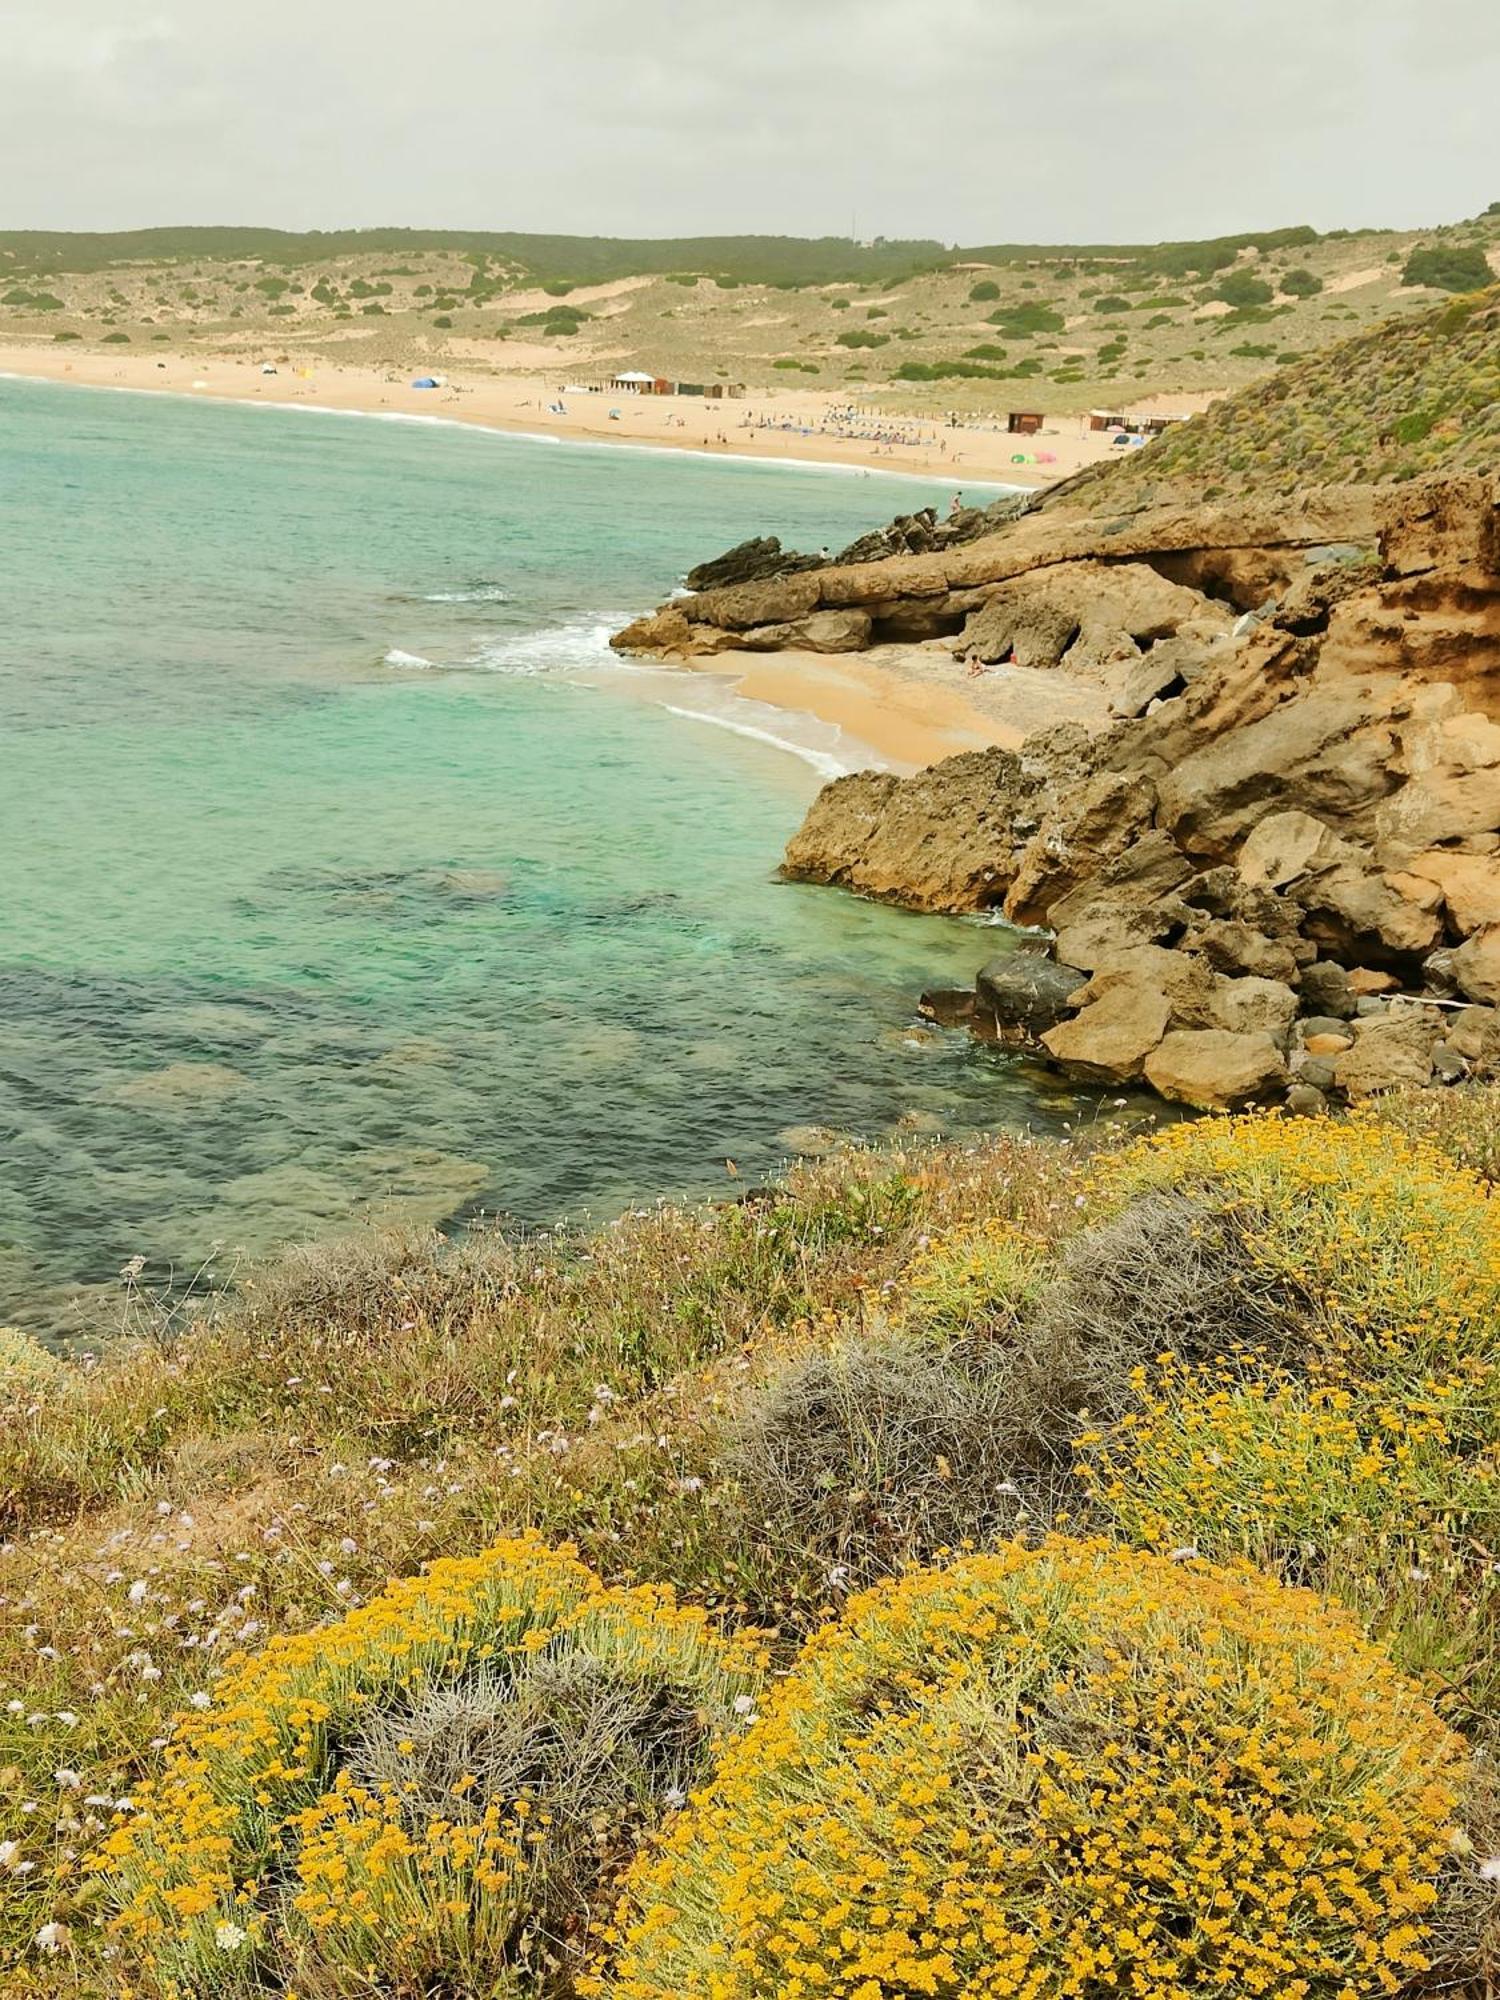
(229,1937)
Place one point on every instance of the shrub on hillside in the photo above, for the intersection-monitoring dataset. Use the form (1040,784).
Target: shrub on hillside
(1301,284)
(1021,321)
(1066,1771)
(986,289)
(861,337)
(1243,288)
(433,1794)
(1448,267)
(1390,1244)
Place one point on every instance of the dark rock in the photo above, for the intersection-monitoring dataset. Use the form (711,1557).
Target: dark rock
(749,562)
(1314,1070)
(949,1006)
(1447,1064)
(1324,987)
(1029,993)
(1303,1100)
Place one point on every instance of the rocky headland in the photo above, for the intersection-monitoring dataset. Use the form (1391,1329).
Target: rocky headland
(1275,875)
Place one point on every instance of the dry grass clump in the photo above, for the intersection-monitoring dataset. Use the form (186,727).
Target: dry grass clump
(431,1795)
(1463,1122)
(1061,1772)
(1464,1943)
(873,1453)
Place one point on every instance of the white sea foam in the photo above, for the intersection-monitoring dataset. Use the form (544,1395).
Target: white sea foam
(481,593)
(581,644)
(397,658)
(822,761)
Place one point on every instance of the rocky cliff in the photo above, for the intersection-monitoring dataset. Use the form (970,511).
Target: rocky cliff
(1282,876)
(1278,872)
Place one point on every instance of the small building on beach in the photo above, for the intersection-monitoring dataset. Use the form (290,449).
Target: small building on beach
(1024,422)
(1142,426)
(632,382)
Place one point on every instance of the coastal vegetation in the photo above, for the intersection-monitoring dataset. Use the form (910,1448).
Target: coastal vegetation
(692,309)
(1404,400)
(1192,1437)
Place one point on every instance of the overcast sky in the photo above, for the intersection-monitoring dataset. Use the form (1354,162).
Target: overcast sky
(967,120)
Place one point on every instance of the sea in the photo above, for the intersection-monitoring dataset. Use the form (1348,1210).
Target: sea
(348,880)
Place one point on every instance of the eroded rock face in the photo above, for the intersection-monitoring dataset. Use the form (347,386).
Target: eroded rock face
(1308,829)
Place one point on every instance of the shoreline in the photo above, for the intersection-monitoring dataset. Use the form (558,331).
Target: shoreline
(781,427)
(911,705)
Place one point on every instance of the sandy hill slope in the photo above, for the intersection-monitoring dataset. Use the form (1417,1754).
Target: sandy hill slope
(910,328)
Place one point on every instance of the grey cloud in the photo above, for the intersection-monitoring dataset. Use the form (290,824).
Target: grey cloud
(969,120)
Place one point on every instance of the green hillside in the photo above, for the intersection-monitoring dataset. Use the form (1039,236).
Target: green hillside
(1403,400)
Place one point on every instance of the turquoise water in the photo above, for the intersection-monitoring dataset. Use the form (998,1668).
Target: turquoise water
(343,875)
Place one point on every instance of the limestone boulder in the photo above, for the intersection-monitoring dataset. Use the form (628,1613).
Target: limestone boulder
(1099,610)
(1109,1041)
(1285,846)
(818,632)
(774,600)
(942,839)
(1320,754)
(1239,950)
(1357,913)
(1469,885)
(1476,966)
(1188,982)
(1389,1050)
(663,632)
(1251,1006)
(1474,1035)
(1100,850)
(1216,1069)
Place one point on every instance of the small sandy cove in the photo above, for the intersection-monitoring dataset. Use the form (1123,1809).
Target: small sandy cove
(912,704)
(795,424)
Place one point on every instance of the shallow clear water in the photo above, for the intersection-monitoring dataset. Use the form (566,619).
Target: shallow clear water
(295,930)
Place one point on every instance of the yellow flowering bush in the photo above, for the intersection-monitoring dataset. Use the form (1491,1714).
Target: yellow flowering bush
(1391,1246)
(27,1369)
(1051,1774)
(971,1280)
(397,1802)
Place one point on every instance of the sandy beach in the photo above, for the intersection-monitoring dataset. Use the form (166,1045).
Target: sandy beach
(794,424)
(910,704)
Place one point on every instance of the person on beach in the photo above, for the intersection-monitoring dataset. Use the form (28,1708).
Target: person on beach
(955,505)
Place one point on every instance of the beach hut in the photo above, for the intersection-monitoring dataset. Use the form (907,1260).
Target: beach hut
(632,382)
(1026,423)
